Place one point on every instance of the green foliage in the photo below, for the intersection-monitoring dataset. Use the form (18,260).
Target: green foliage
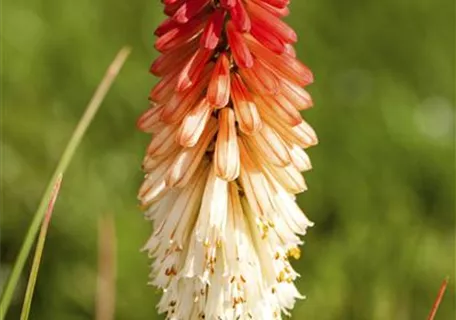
(381,192)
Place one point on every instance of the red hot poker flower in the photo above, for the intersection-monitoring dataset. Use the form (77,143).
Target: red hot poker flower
(224,162)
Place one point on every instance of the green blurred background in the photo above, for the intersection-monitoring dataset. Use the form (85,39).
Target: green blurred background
(381,192)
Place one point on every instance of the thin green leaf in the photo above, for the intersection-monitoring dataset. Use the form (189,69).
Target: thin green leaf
(70,149)
(39,251)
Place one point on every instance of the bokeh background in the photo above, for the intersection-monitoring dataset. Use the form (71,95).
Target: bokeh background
(381,192)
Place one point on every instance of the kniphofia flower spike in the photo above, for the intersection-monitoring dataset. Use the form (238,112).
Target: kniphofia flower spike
(225,160)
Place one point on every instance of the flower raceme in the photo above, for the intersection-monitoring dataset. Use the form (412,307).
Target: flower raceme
(225,160)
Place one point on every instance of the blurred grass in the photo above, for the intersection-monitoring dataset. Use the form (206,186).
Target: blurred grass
(65,159)
(381,192)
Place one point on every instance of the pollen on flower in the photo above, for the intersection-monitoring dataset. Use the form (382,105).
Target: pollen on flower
(294,252)
(225,160)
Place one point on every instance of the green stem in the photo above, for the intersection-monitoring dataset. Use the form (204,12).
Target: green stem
(70,149)
(39,251)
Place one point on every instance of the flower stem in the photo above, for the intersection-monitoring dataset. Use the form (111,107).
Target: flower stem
(70,149)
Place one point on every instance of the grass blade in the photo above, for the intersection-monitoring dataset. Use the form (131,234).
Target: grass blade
(39,250)
(106,280)
(439,298)
(67,155)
